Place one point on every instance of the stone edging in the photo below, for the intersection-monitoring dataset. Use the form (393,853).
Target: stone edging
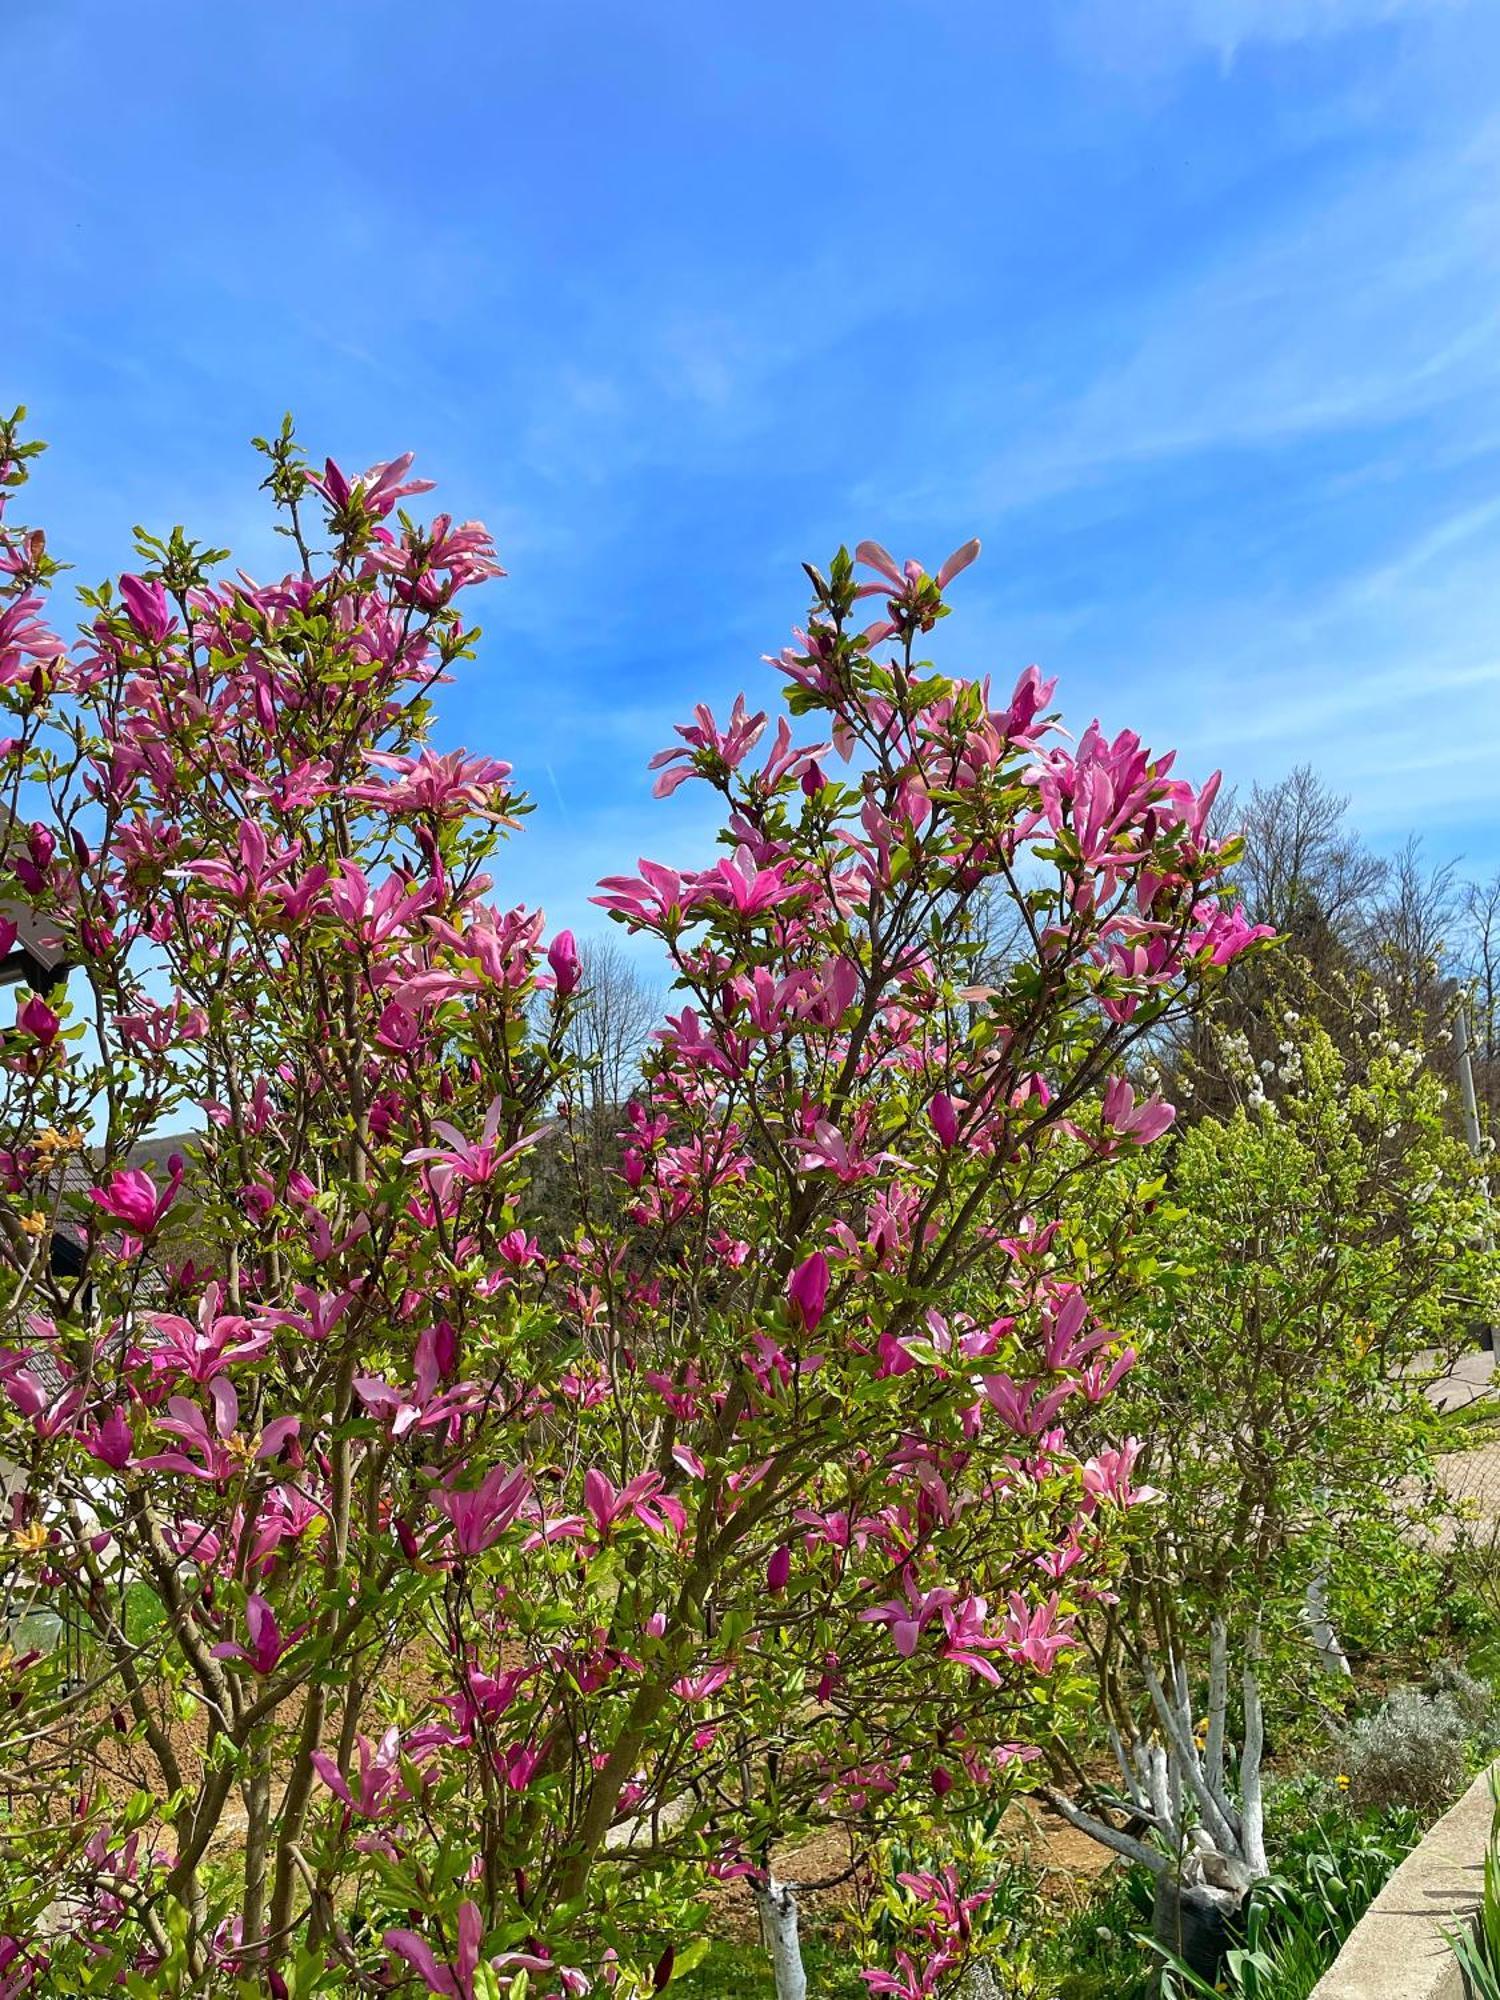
(1397,1950)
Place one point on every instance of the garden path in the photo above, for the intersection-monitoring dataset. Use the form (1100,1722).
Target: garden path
(1471,1476)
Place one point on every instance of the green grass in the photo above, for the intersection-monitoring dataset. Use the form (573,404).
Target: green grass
(742,1972)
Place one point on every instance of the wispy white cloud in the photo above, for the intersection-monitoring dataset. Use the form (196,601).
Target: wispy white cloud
(1388,679)
(1366,307)
(1159,34)
(1210,359)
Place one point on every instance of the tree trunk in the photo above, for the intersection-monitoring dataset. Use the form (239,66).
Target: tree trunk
(979,1982)
(776,1905)
(1193,1921)
(1330,1652)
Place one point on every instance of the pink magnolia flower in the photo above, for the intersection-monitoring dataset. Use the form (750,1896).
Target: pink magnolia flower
(378,489)
(652,900)
(907,1616)
(906,1982)
(828,1151)
(693,1044)
(207,1455)
(1028,1408)
(49,1411)
(317,1314)
(470,1161)
(643,1497)
(111,1441)
(465,552)
(1064,1318)
(398,1029)
(944,1115)
(257,871)
(379,915)
(1107,1477)
(807,1290)
(201,1350)
(160,1029)
(450,787)
(518,1764)
(1097,1381)
(1225,934)
(708,748)
(480,1515)
(26,644)
(35,1018)
(19,1967)
(266,1643)
(147,607)
(699,1686)
(967,1638)
(1036,1634)
(130,1197)
(380,1784)
(280,1443)
(455,1980)
(901,580)
(1140,1123)
(562,956)
(745,887)
(942,1893)
(1030,697)
(788,760)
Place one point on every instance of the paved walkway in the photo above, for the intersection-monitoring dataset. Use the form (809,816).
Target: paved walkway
(1471,1475)
(1470,1378)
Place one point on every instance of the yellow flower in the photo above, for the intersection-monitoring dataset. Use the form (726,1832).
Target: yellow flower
(1342,1782)
(50,1141)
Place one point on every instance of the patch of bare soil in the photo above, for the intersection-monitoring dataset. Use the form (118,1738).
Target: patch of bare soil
(831,1877)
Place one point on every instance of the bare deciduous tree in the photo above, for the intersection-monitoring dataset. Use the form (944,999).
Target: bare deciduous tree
(611,1029)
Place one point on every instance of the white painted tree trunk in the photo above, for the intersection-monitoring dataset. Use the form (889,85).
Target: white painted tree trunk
(1208,1845)
(1330,1652)
(776,1905)
(978,1982)
(1252,1798)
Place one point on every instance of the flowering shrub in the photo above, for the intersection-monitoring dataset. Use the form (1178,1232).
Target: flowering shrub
(1311,1256)
(458,1602)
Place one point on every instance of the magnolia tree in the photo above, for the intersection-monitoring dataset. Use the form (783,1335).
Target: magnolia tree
(1309,1261)
(456,1606)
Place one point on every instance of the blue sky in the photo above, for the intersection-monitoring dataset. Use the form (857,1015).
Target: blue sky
(1189,308)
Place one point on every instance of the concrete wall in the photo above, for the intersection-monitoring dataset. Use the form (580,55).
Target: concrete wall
(1397,1950)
